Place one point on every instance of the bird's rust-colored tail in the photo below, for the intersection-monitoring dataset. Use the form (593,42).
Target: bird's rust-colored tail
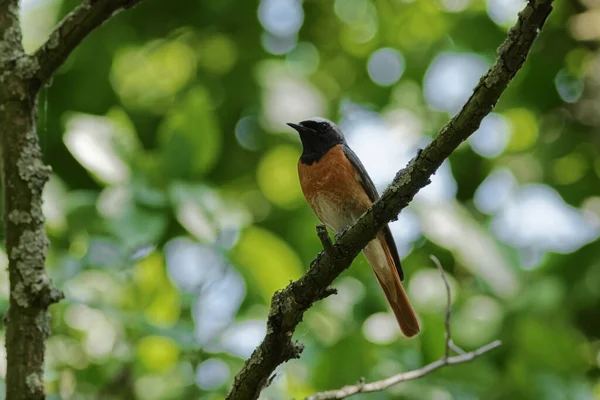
(379,257)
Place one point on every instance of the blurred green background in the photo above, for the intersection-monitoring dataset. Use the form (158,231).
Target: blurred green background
(175,212)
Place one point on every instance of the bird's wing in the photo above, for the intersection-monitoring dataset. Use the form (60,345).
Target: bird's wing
(369,187)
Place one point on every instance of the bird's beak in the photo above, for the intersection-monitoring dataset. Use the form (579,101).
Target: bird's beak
(296,127)
(299,128)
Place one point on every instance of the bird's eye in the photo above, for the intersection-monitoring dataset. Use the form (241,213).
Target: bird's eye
(323,126)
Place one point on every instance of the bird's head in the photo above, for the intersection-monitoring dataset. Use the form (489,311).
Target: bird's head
(318,135)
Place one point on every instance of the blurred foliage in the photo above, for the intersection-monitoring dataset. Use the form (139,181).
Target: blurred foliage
(174,210)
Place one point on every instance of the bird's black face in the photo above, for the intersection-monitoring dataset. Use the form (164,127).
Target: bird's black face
(318,136)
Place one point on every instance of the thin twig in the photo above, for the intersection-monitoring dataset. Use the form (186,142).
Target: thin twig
(383,384)
(454,347)
(449,343)
(448,304)
(289,304)
(328,247)
(362,387)
(324,238)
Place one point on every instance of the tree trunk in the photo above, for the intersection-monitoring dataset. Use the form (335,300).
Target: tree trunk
(23,178)
(31,293)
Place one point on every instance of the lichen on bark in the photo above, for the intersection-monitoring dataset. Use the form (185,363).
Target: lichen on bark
(24,175)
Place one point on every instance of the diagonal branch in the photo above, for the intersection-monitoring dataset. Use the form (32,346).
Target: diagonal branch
(71,31)
(377,386)
(289,304)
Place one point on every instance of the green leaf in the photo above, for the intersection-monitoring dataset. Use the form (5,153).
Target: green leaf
(190,137)
(549,344)
(137,227)
(82,215)
(158,353)
(206,214)
(267,260)
(105,146)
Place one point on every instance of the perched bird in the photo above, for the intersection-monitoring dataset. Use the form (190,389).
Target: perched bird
(339,190)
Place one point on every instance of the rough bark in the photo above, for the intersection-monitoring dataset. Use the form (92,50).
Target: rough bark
(23,178)
(31,292)
(289,304)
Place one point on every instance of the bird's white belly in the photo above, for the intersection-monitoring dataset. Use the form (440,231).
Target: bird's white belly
(333,214)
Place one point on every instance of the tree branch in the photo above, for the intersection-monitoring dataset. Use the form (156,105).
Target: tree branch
(288,305)
(71,31)
(31,291)
(23,178)
(449,343)
(383,384)
(324,238)
(377,386)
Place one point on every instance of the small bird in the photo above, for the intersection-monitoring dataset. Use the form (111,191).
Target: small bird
(339,190)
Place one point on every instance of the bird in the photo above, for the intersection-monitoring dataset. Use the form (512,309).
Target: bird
(339,190)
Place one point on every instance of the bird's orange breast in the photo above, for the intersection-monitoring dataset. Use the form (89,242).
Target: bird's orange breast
(333,190)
